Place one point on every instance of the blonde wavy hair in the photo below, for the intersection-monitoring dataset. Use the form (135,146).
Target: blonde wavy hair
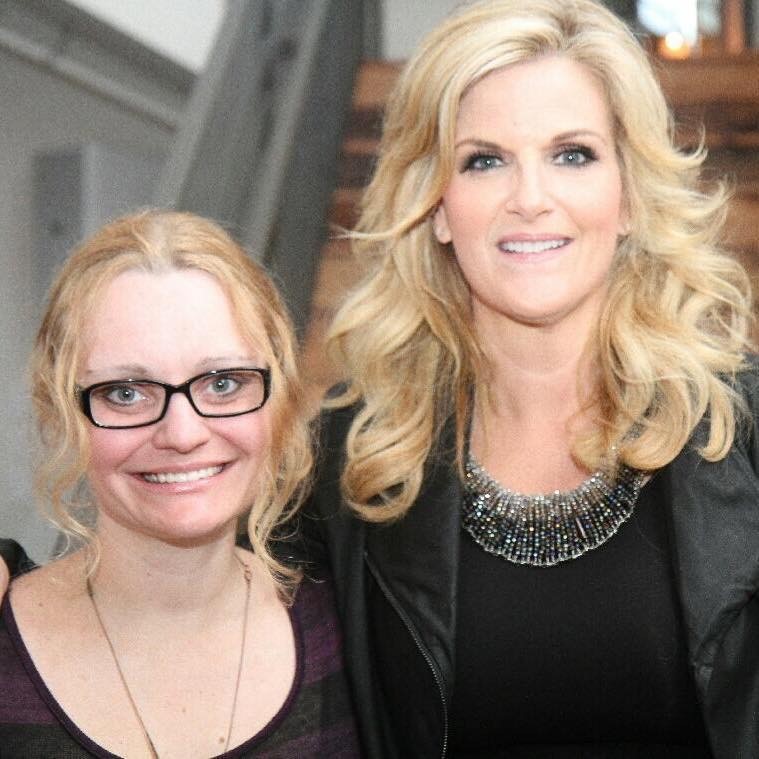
(159,241)
(674,327)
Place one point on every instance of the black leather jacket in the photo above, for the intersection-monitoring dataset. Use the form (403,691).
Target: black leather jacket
(396,591)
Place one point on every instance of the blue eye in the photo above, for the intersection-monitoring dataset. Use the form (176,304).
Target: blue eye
(230,387)
(224,385)
(482,162)
(575,155)
(121,395)
(229,390)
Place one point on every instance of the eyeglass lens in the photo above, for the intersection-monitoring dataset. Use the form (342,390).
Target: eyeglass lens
(131,403)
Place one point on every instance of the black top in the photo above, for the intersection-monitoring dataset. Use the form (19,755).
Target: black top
(316,720)
(586,658)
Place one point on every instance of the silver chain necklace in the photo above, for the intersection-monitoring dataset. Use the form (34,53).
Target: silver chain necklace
(151,746)
(543,530)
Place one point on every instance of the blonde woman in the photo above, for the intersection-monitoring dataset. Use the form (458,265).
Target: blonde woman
(549,309)
(538,489)
(165,384)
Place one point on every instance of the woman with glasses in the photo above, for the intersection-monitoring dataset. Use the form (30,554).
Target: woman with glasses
(167,397)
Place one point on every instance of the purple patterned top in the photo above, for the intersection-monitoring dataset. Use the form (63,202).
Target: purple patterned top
(316,719)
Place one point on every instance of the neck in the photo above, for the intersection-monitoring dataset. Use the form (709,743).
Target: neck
(142,575)
(536,371)
(527,417)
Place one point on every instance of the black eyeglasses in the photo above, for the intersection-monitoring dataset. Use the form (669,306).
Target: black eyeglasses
(123,404)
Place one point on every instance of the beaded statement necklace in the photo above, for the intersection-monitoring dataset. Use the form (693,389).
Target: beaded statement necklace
(543,530)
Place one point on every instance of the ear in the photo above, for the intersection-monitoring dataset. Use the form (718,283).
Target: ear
(440,225)
(624,227)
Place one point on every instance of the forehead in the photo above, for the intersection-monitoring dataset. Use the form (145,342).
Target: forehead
(168,322)
(551,93)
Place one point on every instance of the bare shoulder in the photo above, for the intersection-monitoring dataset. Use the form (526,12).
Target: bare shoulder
(48,598)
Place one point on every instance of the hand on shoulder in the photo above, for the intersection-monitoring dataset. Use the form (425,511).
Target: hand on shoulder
(4,578)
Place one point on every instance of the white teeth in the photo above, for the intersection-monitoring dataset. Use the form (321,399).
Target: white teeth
(524,246)
(169,477)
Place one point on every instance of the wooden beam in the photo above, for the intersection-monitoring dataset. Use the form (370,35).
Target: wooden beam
(733,26)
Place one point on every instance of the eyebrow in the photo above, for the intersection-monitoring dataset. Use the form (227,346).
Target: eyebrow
(125,370)
(477,143)
(577,133)
(138,370)
(572,134)
(225,361)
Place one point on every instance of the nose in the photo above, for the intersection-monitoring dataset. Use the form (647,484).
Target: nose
(529,195)
(181,428)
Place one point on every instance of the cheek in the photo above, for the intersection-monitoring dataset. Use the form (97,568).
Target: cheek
(253,443)
(251,435)
(466,215)
(598,209)
(109,449)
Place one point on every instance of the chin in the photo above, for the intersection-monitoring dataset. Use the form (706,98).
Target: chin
(538,318)
(189,533)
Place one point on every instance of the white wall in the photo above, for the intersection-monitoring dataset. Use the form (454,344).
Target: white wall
(38,111)
(182,30)
(405,22)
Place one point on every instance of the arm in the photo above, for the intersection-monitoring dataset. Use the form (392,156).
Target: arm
(732,702)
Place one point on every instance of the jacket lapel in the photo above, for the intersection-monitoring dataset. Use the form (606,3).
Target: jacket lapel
(418,557)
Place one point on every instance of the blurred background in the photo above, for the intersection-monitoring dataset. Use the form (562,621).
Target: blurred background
(229,109)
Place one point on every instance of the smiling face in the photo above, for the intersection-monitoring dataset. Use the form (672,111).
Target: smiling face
(534,207)
(186,478)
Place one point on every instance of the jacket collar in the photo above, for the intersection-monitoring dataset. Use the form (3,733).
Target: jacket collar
(419,556)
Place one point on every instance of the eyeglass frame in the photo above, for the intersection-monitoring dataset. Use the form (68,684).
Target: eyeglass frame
(83,394)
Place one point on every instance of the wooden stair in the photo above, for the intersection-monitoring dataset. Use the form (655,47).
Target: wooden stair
(338,272)
(720,95)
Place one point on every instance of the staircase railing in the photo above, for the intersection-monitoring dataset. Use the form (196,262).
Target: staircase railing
(258,146)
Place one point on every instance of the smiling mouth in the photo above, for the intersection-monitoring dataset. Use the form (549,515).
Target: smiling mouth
(172,477)
(532,246)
